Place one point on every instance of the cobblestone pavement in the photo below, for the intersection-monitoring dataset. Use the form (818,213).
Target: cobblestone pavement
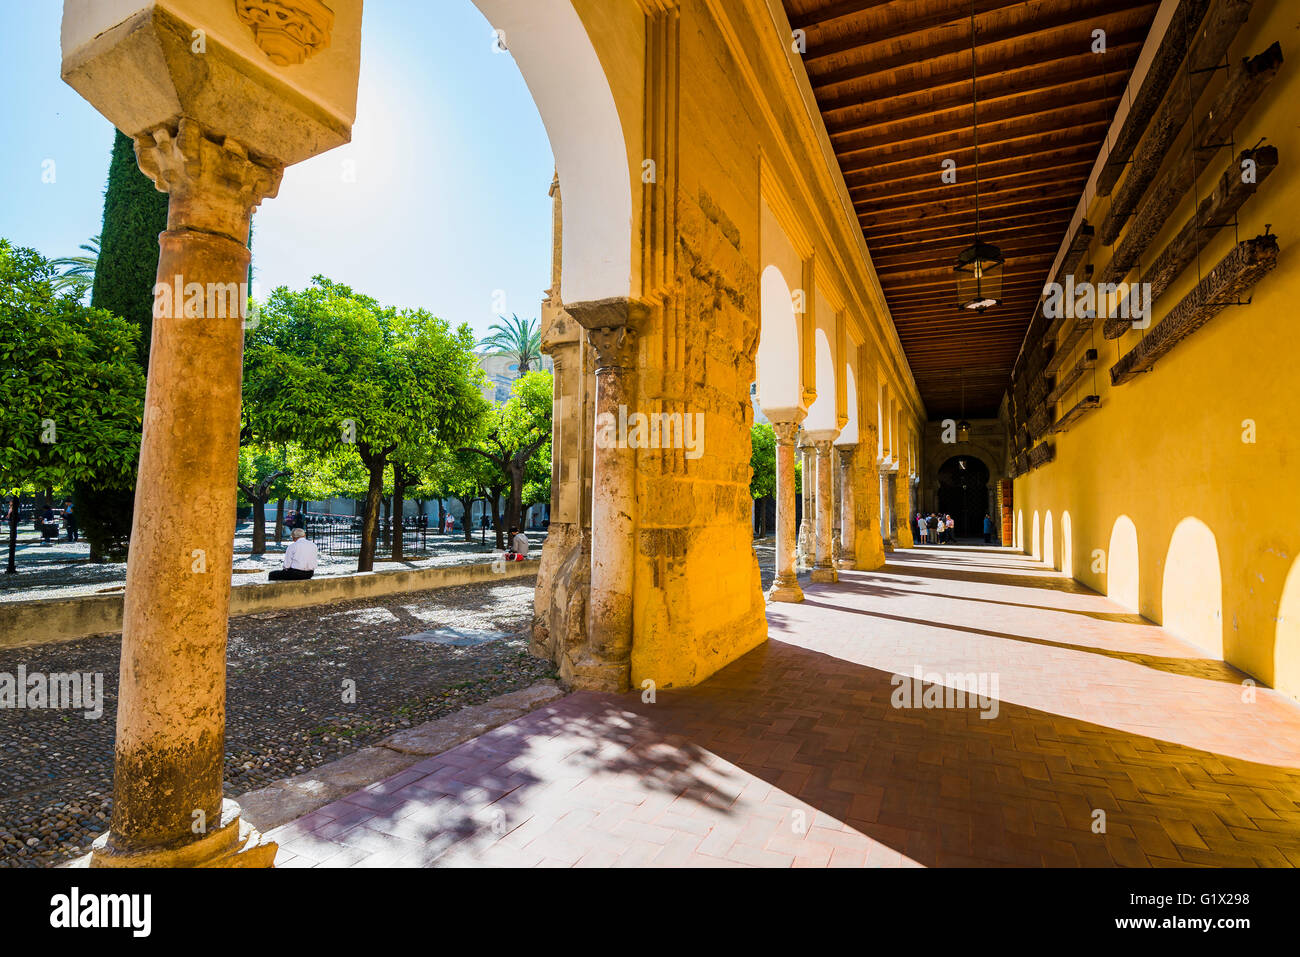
(1113,743)
(285,708)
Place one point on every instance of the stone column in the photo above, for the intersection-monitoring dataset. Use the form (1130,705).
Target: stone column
(785,587)
(848,516)
(807,520)
(168,808)
(611,335)
(823,568)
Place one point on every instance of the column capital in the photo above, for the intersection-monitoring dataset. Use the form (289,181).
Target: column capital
(614,346)
(785,432)
(214,184)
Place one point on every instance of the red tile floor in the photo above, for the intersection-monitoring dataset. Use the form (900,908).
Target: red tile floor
(795,756)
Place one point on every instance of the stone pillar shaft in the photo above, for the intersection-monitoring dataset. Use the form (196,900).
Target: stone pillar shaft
(785,586)
(167,785)
(848,514)
(823,568)
(613,486)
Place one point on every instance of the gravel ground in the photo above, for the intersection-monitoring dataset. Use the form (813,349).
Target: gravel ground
(63,569)
(285,709)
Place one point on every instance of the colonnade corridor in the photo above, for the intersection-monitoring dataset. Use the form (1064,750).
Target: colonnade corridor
(1091,737)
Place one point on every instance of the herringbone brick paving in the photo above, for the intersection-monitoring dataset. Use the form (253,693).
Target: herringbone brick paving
(795,755)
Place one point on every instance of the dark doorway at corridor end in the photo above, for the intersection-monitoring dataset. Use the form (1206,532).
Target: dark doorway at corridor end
(963,493)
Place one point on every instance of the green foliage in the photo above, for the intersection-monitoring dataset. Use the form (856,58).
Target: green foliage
(77,273)
(327,367)
(72,392)
(126,267)
(519,339)
(517,441)
(762,460)
(135,212)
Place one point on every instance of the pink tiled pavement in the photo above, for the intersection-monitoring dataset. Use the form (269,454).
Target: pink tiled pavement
(794,755)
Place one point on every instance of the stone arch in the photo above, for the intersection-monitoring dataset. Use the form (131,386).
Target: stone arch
(1036,540)
(1067,545)
(1191,594)
(1122,570)
(822,413)
(1019,540)
(1049,541)
(568,83)
(850,434)
(777,376)
(777,363)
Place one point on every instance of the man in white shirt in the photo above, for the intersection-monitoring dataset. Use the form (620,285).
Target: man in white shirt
(299,559)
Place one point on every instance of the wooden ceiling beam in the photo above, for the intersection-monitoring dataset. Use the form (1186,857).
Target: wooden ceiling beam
(990,171)
(1042,19)
(990,189)
(1051,108)
(1049,76)
(964,206)
(904,26)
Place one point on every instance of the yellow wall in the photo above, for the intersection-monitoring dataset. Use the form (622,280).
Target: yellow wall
(1213,518)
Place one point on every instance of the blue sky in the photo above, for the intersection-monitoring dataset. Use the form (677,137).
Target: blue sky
(449,201)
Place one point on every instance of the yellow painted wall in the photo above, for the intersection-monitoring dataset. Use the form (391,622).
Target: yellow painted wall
(1199,529)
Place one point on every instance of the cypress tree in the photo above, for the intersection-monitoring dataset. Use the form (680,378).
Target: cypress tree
(135,212)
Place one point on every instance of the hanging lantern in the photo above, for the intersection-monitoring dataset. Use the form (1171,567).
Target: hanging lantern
(963,434)
(979,276)
(979,267)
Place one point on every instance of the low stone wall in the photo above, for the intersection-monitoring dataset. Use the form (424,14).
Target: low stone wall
(38,622)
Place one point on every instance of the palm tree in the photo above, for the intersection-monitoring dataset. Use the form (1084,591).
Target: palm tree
(520,339)
(78,273)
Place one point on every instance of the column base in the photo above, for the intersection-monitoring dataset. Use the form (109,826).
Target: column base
(235,843)
(590,674)
(826,575)
(785,591)
(847,563)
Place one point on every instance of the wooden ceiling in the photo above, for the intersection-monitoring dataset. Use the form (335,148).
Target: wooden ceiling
(893,80)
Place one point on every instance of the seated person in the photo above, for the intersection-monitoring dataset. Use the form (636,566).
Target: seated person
(299,559)
(518,550)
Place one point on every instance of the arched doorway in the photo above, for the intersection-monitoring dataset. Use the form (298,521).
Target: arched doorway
(963,493)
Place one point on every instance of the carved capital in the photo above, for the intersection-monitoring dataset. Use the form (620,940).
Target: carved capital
(214,184)
(288,31)
(822,447)
(614,346)
(785,432)
(606,313)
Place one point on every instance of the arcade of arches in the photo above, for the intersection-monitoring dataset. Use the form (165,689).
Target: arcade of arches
(755,191)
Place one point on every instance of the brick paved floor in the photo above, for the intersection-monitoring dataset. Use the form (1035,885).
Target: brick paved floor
(795,756)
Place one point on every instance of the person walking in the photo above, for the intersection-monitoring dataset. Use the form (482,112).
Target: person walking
(988,529)
(951,528)
(920,529)
(931,529)
(70,521)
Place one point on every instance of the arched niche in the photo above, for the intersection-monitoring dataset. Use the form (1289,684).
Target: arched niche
(1122,570)
(1191,594)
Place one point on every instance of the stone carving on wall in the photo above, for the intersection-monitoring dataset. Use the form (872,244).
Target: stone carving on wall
(288,31)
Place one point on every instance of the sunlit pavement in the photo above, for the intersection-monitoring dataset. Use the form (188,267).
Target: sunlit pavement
(1107,741)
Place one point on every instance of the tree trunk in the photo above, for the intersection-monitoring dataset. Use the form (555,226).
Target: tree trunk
(495,496)
(442,515)
(259,526)
(375,464)
(12,568)
(399,502)
(279,521)
(467,503)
